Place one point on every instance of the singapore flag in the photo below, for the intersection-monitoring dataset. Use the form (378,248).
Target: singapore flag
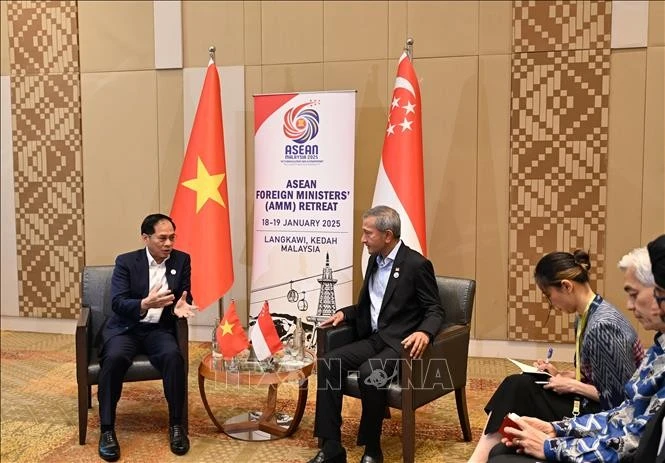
(400,182)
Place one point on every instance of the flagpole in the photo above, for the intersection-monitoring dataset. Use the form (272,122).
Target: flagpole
(220,303)
(408,48)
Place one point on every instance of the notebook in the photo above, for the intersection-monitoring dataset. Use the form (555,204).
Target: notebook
(531,370)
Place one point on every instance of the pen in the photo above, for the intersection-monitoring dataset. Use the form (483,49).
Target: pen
(550,351)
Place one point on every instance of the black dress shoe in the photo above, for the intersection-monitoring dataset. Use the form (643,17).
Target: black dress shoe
(323,458)
(109,449)
(370,459)
(178,439)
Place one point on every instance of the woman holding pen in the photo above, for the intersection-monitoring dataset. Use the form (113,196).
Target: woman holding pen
(607,352)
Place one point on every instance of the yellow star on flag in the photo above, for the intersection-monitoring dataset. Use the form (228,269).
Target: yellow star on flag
(205,185)
(227,328)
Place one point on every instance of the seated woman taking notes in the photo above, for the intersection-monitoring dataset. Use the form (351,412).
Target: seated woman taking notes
(607,353)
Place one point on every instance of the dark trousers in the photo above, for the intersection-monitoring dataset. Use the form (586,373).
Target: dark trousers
(376,362)
(520,394)
(164,354)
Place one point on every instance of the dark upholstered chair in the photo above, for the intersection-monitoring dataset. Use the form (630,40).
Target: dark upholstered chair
(419,383)
(96,301)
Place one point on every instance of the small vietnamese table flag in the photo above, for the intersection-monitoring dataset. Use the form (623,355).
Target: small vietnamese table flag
(265,339)
(231,338)
(201,203)
(400,180)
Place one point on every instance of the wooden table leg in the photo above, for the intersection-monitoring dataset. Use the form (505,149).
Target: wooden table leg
(267,422)
(204,398)
(300,407)
(242,426)
(270,425)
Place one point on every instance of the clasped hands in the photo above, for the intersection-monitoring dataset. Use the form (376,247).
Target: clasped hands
(416,341)
(158,298)
(530,437)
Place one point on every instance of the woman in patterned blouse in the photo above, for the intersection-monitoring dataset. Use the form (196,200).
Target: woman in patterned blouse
(608,351)
(613,435)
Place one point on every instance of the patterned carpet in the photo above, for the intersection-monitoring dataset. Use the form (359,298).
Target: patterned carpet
(39,413)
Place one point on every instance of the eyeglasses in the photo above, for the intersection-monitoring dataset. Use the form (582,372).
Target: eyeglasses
(163,238)
(659,299)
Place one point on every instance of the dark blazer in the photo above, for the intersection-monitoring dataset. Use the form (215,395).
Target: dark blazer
(129,284)
(411,301)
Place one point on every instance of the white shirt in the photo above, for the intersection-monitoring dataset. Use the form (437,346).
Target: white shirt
(157,276)
(378,282)
(157,272)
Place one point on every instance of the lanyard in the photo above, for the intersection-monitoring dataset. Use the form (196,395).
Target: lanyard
(581,326)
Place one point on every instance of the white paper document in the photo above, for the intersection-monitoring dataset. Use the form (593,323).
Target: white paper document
(529,369)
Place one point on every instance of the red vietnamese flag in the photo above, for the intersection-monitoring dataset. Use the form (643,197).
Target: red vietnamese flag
(231,338)
(400,181)
(200,206)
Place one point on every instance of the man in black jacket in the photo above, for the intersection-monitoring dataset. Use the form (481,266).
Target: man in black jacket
(149,291)
(398,308)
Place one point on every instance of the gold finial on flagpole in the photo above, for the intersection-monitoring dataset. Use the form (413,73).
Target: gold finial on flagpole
(211,51)
(408,48)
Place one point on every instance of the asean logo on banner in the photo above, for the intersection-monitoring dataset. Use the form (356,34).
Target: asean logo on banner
(301,125)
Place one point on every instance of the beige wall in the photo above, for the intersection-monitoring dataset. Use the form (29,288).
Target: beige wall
(4,41)
(462,57)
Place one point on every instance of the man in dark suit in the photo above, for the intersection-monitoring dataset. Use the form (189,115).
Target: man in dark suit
(149,290)
(398,308)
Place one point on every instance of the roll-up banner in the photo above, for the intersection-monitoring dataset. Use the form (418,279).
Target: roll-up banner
(303,206)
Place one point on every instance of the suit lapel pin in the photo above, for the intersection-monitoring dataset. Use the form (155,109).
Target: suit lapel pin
(396,274)
(172,271)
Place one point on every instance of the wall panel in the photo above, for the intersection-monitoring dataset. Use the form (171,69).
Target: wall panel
(252,31)
(46,144)
(4,40)
(355,30)
(495,27)
(653,189)
(491,310)
(656,23)
(625,168)
(397,27)
(292,78)
(443,28)
(8,264)
(116,36)
(449,92)
(630,20)
(170,136)
(558,168)
(291,32)
(207,23)
(167,24)
(120,160)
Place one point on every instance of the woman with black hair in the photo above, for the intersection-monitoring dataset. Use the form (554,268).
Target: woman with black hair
(607,353)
